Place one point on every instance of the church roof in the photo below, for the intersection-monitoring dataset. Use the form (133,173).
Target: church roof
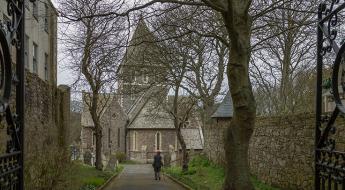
(225,109)
(149,117)
(142,34)
(104,99)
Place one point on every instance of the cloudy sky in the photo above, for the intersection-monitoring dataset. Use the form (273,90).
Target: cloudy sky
(64,76)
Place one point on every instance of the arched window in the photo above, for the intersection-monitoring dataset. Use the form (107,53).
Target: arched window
(135,140)
(158,141)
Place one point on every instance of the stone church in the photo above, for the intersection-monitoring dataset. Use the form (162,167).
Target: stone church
(147,128)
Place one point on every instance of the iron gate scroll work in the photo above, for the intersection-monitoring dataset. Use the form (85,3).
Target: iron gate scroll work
(12,38)
(329,162)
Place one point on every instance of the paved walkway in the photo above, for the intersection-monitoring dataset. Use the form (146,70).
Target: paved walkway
(141,177)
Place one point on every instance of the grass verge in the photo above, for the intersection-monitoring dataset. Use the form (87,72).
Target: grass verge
(204,175)
(85,177)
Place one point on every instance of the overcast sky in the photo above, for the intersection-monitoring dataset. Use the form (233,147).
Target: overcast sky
(63,75)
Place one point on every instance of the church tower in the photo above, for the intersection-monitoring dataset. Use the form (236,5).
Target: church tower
(141,66)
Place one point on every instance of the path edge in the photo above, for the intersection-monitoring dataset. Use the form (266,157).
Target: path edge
(179,182)
(109,180)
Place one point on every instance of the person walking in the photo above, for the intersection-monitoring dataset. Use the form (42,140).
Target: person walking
(157,165)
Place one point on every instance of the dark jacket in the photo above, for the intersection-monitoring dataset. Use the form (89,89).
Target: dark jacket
(157,161)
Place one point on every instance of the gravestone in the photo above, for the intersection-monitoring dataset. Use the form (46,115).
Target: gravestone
(88,158)
(112,163)
(172,156)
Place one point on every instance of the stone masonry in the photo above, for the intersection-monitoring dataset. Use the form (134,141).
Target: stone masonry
(281,150)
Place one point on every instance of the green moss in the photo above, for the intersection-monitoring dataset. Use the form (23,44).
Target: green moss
(203,174)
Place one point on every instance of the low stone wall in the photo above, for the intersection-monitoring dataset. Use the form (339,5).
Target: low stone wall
(281,150)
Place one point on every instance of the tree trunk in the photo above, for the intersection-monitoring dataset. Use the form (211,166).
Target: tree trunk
(99,164)
(238,24)
(178,124)
(185,158)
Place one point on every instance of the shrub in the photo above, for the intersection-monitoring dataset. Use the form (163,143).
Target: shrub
(120,156)
(191,171)
(199,161)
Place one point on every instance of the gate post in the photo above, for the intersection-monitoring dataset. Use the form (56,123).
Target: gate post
(20,96)
(318,96)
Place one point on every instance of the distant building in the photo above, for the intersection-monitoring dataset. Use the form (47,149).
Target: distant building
(128,124)
(40,38)
(215,132)
(224,112)
(113,122)
(143,73)
(328,103)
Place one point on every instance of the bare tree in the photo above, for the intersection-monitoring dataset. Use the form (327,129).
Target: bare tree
(93,46)
(237,20)
(206,54)
(175,61)
(284,51)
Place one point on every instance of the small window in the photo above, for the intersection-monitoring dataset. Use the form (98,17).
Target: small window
(118,137)
(135,140)
(186,124)
(35,10)
(158,141)
(93,139)
(26,51)
(46,67)
(35,58)
(109,140)
(145,77)
(46,16)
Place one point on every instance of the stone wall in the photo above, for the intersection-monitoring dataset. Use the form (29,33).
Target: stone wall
(47,116)
(214,137)
(281,150)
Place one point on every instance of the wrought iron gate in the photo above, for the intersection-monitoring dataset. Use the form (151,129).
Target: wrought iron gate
(329,162)
(12,108)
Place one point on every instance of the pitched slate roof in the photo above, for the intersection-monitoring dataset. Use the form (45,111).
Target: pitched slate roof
(104,99)
(225,109)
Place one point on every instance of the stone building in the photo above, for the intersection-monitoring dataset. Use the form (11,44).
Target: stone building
(149,131)
(214,133)
(113,121)
(131,122)
(40,38)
